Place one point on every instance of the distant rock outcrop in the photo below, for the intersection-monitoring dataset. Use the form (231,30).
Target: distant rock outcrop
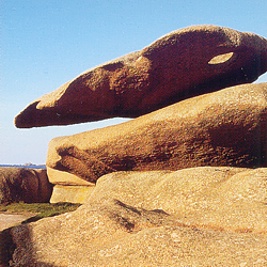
(181,64)
(202,217)
(224,128)
(27,185)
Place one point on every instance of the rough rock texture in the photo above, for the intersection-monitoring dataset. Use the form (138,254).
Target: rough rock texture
(195,217)
(226,198)
(21,184)
(71,194)
(224,128)
(182,64)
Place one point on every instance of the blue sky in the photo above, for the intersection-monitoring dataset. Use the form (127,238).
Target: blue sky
(44,43)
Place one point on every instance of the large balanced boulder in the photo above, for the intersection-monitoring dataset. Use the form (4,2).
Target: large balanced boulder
(22,184)
(224,128)
(196,217)
(181,64)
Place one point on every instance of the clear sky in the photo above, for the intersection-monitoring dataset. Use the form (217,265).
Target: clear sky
(45,43)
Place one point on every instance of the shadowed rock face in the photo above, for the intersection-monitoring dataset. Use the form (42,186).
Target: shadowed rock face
(224,128)
(182,64)
(27,185)
(201,216)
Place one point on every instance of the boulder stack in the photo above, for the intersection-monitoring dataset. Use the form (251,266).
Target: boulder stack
(184,184)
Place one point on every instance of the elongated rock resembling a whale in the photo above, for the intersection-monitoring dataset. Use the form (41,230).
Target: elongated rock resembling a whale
(181,64)
(224,128)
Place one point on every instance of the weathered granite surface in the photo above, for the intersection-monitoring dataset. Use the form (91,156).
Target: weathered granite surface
(179,65)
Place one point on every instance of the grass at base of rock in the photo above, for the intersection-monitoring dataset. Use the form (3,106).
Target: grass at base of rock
(41,210)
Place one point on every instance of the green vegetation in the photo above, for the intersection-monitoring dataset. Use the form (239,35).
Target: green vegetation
(41,210)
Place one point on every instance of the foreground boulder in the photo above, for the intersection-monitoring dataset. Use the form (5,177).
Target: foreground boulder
(195,217)
(224,128)
(181,64)
(27,185)
(222,198)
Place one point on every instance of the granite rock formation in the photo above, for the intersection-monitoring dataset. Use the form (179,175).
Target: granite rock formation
(27,185)
(224,128)
(184,184)
(209,197)
(71,194)
(181,64)
(195,217)
(68,187)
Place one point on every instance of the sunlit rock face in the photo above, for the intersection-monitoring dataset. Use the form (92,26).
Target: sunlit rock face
(224,128)
(181,64)
(208,216)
